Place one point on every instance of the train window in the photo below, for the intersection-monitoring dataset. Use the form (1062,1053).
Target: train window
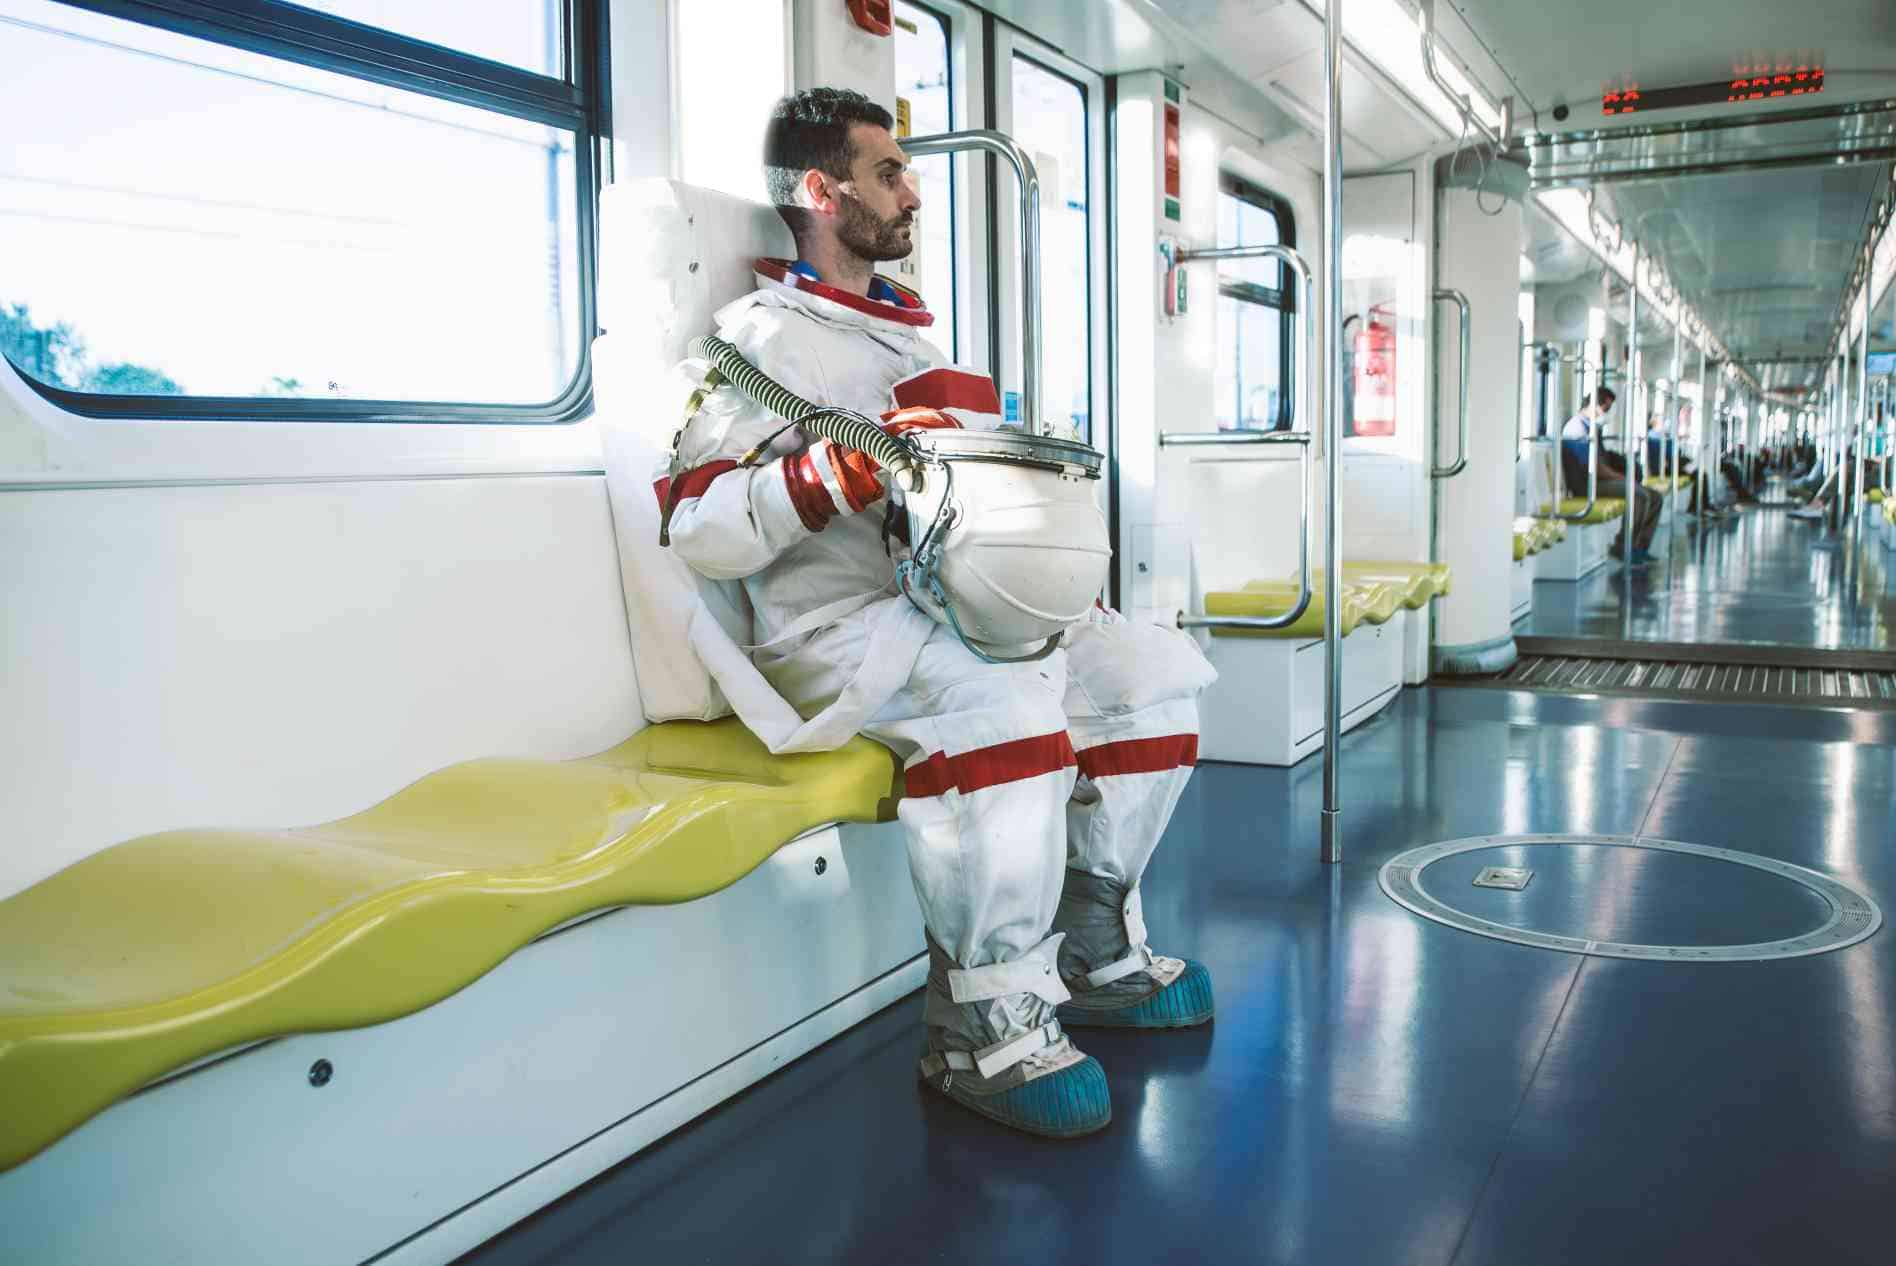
(1050,121)
(276,214)
(528,35)
(726,87)
(924,79)
(1253,322)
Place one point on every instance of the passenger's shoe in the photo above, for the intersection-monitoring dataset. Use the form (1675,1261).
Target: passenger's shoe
(1642,558)
(995,1047)
(1808,512)
(1115,979)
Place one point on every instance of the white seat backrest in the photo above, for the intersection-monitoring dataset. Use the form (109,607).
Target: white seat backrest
(670,256)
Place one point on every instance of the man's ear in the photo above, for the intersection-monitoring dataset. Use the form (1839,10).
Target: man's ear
(816,193)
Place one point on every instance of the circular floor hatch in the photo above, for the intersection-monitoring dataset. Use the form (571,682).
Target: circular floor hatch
(1621,896)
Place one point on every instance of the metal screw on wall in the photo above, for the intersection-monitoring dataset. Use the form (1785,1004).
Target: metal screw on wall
(320,1072)
(822,864)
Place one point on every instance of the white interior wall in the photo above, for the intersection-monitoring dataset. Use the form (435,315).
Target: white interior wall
(1231,517)
(267,656)
(1479,255)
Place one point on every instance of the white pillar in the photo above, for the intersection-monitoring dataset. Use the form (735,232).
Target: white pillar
(1479,255)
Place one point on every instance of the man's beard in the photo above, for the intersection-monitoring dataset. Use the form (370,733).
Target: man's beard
(871,237)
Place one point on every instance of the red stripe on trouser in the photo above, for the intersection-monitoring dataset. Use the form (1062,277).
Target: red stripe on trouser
(1139,756)
(991,766)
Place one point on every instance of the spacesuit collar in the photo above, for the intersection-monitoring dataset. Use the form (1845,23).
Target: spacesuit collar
(903,307)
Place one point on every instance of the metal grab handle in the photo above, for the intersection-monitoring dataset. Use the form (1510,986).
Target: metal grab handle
(1001,144)
(1460,300)
(1593,460)
(1197,620)
(1464,105)
(1169,439)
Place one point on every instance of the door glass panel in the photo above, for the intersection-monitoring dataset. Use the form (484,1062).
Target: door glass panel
(1050,123)
(923,79)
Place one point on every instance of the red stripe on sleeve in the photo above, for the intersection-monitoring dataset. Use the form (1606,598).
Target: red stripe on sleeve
(945,388)
(814,504)
(990,766)
(693,482)
(1140,756)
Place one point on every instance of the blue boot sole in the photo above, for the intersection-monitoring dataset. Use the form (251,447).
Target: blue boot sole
(1183,1004)
(1063,1105)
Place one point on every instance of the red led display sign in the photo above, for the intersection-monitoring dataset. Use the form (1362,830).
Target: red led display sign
(1747,83)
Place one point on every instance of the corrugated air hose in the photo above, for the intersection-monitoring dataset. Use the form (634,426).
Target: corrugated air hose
(840,426)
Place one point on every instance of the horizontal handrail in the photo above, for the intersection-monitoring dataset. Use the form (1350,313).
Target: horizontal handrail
(1191,439)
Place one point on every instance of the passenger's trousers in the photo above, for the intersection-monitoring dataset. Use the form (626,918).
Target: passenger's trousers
(1646,508)
(1015,772)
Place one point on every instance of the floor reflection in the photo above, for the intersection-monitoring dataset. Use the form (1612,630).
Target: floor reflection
(1760,577)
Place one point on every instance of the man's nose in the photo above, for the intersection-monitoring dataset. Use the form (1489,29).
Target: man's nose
(911,197)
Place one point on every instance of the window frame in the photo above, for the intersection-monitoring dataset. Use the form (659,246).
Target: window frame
(956,320)
(1282,298)
(580,102)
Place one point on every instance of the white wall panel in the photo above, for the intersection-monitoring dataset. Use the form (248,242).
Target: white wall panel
(277,655)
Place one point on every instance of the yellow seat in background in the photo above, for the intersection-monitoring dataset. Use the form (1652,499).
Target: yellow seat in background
(1362,602)
(1416,583)
(159,951)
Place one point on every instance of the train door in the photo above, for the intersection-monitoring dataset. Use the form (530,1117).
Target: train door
(1055,108)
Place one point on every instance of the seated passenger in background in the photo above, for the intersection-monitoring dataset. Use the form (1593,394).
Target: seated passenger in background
(1575,440)
(1035,791)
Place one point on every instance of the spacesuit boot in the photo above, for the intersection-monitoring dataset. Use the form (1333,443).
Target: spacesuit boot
(1115,979)
(994,1045)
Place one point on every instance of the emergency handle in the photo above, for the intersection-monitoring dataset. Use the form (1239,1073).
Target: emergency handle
(1460,300)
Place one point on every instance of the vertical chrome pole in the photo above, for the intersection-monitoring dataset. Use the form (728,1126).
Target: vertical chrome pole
(1702,482)
(1859,430)
(1838,406)
(1635,416)
(1332,827)
(1669,455)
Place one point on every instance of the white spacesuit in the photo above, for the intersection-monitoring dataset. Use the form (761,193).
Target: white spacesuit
(1035,792)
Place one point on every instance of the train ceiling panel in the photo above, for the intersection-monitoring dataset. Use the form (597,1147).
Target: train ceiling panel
(1764,259)
(1571,53)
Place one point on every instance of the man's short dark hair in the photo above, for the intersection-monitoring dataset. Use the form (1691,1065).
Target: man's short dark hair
(1604,397)
(811,129)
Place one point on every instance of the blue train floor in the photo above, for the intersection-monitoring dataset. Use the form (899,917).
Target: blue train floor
(1378,1088)
(1760,576)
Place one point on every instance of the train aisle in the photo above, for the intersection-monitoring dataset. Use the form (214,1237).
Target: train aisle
(1378,1088)
(1758,577)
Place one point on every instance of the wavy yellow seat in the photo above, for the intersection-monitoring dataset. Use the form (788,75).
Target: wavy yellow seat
(1661,484)
(1363,602)
(162,950)
(1558,529)
(1415,583)
(1874,496)
(1605,510)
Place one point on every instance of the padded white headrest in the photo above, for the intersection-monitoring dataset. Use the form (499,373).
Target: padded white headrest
(670,256)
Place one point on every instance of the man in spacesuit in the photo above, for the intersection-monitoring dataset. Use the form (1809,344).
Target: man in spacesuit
(1035,792)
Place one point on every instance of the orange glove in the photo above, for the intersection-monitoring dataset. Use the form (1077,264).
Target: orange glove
(917,418)
(856,472)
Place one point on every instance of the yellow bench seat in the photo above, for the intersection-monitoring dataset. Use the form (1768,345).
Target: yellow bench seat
(171,947)
(1605,510)
(1415,583)
(1363,602)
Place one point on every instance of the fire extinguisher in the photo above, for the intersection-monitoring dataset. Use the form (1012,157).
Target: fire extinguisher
(1373,377)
